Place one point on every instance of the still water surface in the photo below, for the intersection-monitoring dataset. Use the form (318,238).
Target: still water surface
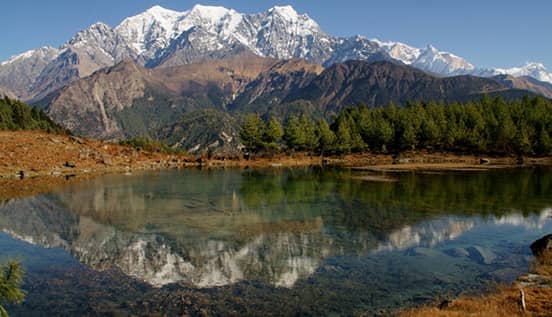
(274,242)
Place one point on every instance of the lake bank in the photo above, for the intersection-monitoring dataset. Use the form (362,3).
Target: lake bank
(34,162)
(31,154)
(529,295)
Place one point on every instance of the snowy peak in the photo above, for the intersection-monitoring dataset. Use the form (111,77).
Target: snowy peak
(160,12)
(286,12)
(153,30)
(430,49)
(442,63)
(400,51)
(45,52)
(429,58)
(210,18)
(291,17)
(210,13)
(94,33)
(532,69)
(150,30)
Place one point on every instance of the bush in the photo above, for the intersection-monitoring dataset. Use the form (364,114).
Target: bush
(150,145)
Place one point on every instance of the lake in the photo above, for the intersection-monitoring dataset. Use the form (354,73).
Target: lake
(305,241)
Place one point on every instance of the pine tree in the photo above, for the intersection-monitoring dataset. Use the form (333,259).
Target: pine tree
(326,137)
(252,132)
(293,135)
(11,278)
(310,137)
(343,136)
(544,143)
(273,133)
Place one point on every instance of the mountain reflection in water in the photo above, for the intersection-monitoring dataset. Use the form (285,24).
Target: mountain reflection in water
(215,228)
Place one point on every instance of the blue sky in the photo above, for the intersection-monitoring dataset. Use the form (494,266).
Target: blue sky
(487,33)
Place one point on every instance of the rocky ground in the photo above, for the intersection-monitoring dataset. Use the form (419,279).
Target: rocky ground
(30,154)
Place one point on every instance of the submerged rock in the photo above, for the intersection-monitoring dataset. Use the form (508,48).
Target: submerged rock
(457,252)
(423,252)
(505,274)
(481,255)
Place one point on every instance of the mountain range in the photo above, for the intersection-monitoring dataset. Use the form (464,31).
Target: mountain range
(161,37)
(187,77)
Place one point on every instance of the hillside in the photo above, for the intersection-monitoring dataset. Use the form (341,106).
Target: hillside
(273,85)
(128,100)
(308,89)
(379,83)
(205,131)
(6,92)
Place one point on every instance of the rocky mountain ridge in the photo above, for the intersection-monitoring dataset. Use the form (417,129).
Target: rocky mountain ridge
(198,106)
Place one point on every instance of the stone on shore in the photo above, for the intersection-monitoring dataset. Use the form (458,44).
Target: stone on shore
(542,249)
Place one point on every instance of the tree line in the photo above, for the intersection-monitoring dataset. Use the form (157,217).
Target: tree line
(489,126)
(15,115)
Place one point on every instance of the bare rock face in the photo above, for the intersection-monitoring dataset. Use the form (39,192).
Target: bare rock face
(86,107)
(6,92)
(542,249)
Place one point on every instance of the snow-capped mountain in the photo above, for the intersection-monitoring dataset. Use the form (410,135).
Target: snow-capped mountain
(429,59)
(535,70)
(100,41)
(20,72)
(161,37)
(280,32)
(150,31)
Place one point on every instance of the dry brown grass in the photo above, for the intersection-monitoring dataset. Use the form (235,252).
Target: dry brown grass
(504,301)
